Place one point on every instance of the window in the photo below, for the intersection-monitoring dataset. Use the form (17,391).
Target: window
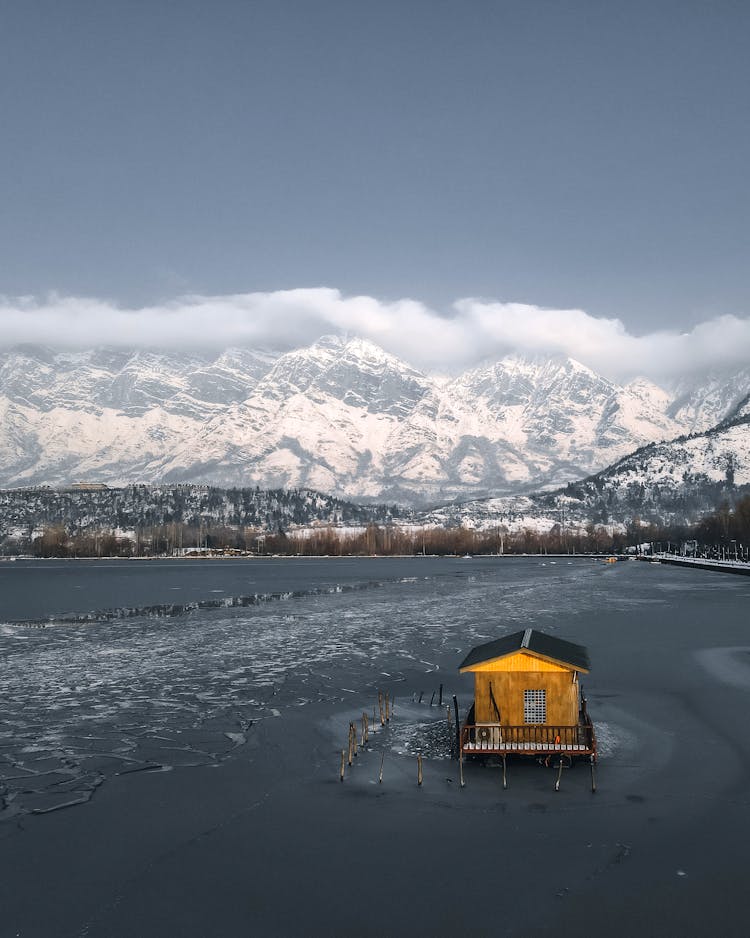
(535,706)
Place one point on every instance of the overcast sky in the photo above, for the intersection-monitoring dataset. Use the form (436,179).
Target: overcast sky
(547,157)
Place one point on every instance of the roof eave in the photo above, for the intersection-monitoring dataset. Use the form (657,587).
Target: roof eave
(522,651)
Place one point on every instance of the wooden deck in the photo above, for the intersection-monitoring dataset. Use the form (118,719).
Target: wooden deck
(530,739)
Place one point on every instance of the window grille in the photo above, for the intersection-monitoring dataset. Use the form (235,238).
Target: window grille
(535,706)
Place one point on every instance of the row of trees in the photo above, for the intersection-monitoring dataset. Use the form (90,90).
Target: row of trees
(156,540)
(444,541)
(727,524)
(56,542)
(175,540)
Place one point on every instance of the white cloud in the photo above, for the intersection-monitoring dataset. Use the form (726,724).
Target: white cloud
(476,330)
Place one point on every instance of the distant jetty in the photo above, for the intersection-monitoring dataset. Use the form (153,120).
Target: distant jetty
(702,563)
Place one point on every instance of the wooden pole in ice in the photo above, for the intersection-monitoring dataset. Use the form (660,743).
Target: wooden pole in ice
(458,724)
(559,774)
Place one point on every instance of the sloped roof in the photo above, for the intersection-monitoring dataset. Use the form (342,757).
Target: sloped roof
(548,646)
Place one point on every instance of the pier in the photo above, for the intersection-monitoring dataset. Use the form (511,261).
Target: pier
(740,567)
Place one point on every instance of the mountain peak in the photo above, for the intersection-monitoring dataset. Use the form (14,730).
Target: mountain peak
(354,346)
(341,415)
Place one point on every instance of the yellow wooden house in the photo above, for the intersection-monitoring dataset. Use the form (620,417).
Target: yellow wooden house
(528,697)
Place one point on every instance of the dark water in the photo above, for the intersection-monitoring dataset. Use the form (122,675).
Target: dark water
(35,589)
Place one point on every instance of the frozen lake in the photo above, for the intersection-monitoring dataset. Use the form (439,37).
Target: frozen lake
(147,684)
(279,650)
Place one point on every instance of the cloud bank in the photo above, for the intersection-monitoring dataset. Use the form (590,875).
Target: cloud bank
(474,331)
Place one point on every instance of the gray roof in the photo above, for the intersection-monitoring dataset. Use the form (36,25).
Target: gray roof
(576,656)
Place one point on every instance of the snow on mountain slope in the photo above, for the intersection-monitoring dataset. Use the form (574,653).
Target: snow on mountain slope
(677,481)
(320,418)
(523,422)
(704,401)
(742,409)
(342,416)
(720,455)
(108,412)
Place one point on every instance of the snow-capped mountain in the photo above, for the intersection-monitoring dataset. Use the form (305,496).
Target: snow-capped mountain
(321,417)
(341,416)
(703,403)
(673,482)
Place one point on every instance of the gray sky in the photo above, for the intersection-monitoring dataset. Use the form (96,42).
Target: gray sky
(581,155)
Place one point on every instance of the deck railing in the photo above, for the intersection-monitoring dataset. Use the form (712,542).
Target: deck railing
(496,737)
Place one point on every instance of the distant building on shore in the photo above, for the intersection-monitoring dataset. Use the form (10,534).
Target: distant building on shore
(86,487)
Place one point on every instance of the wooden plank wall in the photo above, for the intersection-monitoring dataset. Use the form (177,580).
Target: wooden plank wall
(508,688)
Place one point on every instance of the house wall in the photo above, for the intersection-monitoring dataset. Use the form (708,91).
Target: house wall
(508,688)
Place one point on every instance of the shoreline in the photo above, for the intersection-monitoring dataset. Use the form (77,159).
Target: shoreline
(701,563)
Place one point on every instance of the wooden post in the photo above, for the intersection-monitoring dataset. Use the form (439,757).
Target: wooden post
(505,777)
(458,724)
(461,768)
(387,711)
(350,744)
(382,760)
(343,758)
(380,707)
(440,697)
(593,776)
(421,695)
(432,699)
(354,738)
(559,774)
(451,739)
(419,769)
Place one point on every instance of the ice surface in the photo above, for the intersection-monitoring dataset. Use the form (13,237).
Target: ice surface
(182,685)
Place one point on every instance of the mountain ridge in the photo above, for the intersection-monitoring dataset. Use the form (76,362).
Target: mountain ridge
(342,416)
(673,482)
